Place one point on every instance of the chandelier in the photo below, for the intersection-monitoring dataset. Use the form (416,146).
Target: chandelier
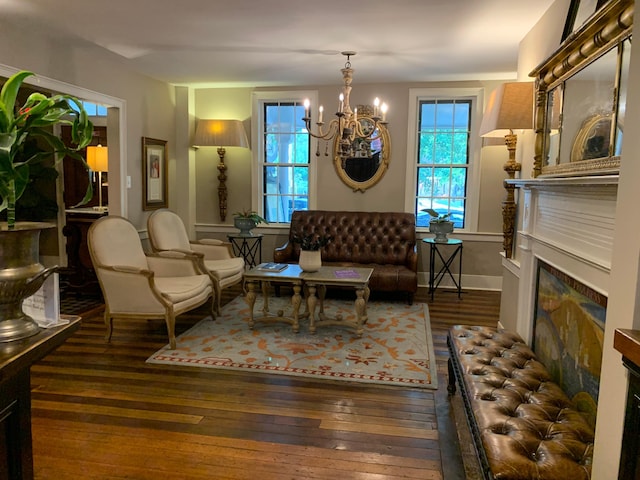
(346,126)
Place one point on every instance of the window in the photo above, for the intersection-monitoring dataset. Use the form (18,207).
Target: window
(444,144)
(284,167)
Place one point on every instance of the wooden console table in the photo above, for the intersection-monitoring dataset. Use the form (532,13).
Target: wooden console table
(627,342)
(16,358)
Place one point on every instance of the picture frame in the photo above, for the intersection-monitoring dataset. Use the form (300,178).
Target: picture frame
(579,12)
(154,174)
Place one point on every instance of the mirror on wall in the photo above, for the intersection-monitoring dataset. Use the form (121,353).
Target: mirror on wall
(370,158)
(581,97)
(588,107)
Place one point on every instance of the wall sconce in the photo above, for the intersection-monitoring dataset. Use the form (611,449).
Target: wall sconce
(510,108)
(98,161)
(221,134)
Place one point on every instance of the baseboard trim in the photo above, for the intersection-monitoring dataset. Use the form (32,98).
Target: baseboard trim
(469,282)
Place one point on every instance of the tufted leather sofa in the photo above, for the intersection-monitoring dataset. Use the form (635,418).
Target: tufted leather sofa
(384,241)
(523,425)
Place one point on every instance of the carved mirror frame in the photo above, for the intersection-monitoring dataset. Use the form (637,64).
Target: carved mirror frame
(603,33)
(383,157)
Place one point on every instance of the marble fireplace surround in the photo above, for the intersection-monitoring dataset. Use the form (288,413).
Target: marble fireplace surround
(569,224)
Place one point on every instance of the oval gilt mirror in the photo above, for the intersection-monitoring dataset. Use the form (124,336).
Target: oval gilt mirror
(370,158)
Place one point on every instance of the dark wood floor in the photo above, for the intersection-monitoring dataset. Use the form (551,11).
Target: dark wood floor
(101,412)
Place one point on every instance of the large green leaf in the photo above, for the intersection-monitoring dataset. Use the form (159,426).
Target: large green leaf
(8,96)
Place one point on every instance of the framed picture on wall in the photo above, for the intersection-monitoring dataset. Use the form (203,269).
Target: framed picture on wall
(579,12)
(154,174)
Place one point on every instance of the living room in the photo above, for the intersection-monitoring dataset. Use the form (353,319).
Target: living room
(155,109)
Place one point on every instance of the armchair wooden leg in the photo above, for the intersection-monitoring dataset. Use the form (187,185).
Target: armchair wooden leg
(108,322)
(170,320)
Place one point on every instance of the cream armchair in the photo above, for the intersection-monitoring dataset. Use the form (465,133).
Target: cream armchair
(139,285)
(167,233)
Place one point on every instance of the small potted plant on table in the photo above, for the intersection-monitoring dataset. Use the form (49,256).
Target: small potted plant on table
(246,220)
(440,225)
(310,259)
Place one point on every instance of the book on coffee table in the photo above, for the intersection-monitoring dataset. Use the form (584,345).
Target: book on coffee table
(272,267)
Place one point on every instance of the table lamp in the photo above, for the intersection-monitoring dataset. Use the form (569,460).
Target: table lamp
(98,161)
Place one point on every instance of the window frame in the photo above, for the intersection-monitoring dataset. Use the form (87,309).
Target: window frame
(476,96)
(258,150)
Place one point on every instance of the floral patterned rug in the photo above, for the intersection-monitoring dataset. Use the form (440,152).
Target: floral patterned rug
(395,349)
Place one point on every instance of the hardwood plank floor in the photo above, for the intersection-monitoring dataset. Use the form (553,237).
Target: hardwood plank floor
(101,412)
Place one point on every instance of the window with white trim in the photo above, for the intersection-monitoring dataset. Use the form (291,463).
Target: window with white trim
(283,164)
(444,144)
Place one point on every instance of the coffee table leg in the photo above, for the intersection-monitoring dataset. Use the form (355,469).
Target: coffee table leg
(361,311)
(322,292)
(265,297)
(295,302)
(250,298)
(312,301)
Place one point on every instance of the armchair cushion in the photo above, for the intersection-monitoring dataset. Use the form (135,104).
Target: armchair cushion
(226,268)
(179,289)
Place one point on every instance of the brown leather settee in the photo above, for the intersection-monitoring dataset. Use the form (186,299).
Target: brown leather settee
(384,241)
(523,425)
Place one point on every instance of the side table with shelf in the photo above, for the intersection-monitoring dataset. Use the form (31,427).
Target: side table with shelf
(248,247)
(435,278)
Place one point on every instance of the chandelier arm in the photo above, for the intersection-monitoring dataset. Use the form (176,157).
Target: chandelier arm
(329,134)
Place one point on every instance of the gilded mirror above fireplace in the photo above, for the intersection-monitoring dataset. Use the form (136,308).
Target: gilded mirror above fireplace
(581,97)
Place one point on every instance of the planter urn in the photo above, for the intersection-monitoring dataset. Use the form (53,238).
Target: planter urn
(21,275)
(441,230)
(245,225)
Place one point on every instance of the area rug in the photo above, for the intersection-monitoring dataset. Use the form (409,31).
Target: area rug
(395,349)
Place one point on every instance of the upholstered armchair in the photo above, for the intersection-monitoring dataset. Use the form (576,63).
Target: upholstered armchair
(167,233)
(140,285)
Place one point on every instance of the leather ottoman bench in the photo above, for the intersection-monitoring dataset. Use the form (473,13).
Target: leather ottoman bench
(523,425)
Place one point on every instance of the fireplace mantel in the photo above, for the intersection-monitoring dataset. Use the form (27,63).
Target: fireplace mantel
(566,183)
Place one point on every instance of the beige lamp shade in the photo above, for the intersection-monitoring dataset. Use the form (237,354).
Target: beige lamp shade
(510,107)
(220,133)
(98,158)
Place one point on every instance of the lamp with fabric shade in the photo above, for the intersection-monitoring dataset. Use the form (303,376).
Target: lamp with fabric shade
(510,107)
(221,134)
(98,161)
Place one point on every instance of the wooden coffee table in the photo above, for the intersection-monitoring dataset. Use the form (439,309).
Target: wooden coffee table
(315,285)
(256,276)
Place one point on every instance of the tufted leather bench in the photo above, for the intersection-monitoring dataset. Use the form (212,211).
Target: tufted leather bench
(523,425)
(384,241)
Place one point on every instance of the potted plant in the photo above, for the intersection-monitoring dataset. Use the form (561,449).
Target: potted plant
(440,225)
(246,220)
(310,259)
(21,273)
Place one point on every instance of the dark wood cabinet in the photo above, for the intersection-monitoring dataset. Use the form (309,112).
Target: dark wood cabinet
(79,276)
(16,358)
(627,342)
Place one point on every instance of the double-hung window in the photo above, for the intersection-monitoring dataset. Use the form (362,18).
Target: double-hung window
(443,137)
(283,167)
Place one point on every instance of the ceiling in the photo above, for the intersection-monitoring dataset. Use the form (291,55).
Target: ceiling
(292,42)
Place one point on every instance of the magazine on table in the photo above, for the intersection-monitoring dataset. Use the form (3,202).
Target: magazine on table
(272,267)
(346,273)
